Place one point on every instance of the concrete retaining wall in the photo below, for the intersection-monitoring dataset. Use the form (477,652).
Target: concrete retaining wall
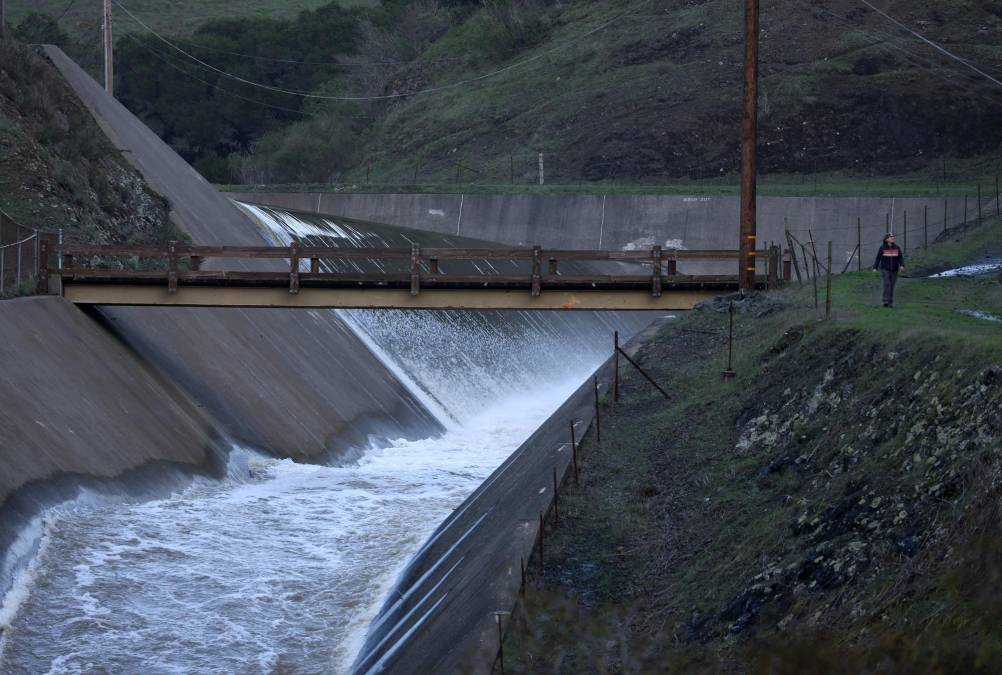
(640,221)
(74,400)
(293,383)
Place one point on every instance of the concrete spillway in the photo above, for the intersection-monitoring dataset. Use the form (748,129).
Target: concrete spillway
(282,565)
(161,527)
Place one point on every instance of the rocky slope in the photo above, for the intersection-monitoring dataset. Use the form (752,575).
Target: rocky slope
(58,170)
(835,508)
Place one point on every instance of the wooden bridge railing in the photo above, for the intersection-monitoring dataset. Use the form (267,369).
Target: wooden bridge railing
(181,263)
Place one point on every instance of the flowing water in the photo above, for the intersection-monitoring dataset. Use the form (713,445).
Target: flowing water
(280,567)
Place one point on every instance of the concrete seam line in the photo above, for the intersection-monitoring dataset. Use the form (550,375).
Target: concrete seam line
(417,606)
(430,571)
(378,667)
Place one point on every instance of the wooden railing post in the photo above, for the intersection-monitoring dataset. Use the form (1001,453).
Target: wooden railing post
(671,266)
(537,260)
(314,265)
(294,268)
(552,267)
(42,283)
(172,267)
(433,263)
(787,265)
(415,269)
(196,263)
(656,277)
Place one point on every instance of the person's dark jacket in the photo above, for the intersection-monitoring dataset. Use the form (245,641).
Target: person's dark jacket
(889,257)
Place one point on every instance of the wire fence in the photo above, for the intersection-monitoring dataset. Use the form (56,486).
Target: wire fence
(522,166)
(20,248)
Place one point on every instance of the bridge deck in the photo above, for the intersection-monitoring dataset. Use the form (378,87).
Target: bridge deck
(415,279)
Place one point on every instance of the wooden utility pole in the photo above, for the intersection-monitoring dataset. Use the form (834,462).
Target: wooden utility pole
(749,142)
(109,55)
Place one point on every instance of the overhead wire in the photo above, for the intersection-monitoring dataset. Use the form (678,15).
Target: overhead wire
(932,44)
(68,8)
(454,85)
(887,42)
(181,70)
(339,64)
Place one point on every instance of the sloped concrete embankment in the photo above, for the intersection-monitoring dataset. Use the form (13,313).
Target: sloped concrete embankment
(639,221)
(75,402)
(78,405)
(292,383)
(443,615)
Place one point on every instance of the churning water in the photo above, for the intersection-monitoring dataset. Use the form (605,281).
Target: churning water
(281,567)
(280,571)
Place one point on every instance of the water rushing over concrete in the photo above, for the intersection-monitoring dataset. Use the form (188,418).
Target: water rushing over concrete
(283,569)
(283,565)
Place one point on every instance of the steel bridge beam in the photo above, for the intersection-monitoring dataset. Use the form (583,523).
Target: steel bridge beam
(381,298)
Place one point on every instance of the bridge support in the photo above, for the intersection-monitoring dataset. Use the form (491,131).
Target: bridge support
(380,298)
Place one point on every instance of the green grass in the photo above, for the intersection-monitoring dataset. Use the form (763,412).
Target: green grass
(961,247)
(922,307)
(825,185)
(670,542)
(176,17)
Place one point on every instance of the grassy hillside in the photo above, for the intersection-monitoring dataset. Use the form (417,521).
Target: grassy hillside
(638,93)
(58,170)
(655,92)
(835,509)
(176,17)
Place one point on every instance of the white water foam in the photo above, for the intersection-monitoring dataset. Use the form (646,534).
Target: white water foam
(978,314)
(283,572)
(972,270)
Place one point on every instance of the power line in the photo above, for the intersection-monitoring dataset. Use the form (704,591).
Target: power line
(887,42)
(210,84)
(932,44)
(338,64)
(454,85)
(68,8)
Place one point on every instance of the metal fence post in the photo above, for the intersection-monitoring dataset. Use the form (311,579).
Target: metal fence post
(905,248)
(925,228)
(598,417)
(828,291)
(859,243)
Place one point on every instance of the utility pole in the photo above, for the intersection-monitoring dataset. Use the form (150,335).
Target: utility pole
(749,142)
(109,56)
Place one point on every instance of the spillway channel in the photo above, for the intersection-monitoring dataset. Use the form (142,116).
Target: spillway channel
(281,566)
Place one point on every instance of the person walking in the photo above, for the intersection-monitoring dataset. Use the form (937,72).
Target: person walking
(890,260)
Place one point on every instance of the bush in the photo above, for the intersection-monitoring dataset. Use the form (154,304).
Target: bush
(314,151)
(513,25)
(39,28)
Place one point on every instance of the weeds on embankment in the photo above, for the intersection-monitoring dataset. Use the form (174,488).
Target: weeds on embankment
(835,508)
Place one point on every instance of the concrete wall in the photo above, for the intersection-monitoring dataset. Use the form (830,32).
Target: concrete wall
(74,400)
(293,383)
(639,221)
